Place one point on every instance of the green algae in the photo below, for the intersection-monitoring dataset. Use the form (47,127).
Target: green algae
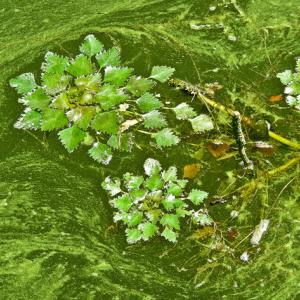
(56,236)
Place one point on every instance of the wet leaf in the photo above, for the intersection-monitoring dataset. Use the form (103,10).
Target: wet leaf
(161,73)
(165,138)
(117,75)
(169,235)
(202,123)
(71,137)
(91,45)
(29,120)
(80,66)
(148,102)
(191,171)
(154,119)
(184,112)
(106,122)
(53,119)
(38,99)
(101,153)
(197,196)
(217,148)
(54,63)
(133,235)
(137,86)
(152,166)
(24,83)
(110,57)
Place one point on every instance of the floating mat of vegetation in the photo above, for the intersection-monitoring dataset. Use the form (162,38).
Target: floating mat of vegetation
(57,230)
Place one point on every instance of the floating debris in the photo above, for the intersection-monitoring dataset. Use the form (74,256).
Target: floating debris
(276,98)
(259,231)
(191,171)
(244,257)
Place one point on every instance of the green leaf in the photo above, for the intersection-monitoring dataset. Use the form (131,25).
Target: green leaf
(38,99)
(169,235)
(110,57)
(152,167)
(80,66)
(134,218)
(148,229)
(133,235)
(71,137)
(29,120)
(113,187)
(109,97)
(201,218)
(154,183)
(81,116)
(182,183)
(165,138)
(170,202)
(55,83)
(122,203)
(137,86)
(184,112)
(91,45)
(174,189)
(171,221)
(154,119)
(53,119)
(285,77)
(148,102)
(61,102)
(202,123)
(294,88)
(132,182)
(54,64)
(197,196)
(90,82)
(117,75)
(106,122)
(137,195)
(170,175)
(153,215)
(161,73)
(101,153)
(24,83)
(122,142)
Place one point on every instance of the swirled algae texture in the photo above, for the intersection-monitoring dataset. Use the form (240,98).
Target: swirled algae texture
(57,239)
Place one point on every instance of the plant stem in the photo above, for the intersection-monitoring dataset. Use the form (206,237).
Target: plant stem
(193,90)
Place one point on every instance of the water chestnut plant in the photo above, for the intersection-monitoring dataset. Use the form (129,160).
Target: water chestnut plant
(155,203)
(94,100)
(291,80)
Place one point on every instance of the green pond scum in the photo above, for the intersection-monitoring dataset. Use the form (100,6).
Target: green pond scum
(69,189)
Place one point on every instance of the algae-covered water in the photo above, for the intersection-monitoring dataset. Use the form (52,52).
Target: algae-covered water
(56,235)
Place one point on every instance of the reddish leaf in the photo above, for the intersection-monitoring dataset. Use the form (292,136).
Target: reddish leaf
(276,98)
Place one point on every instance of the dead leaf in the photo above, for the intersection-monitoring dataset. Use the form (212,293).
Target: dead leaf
(232,233)
(276,98)
(191,171)
(217,148)
(124,126)
(202,233)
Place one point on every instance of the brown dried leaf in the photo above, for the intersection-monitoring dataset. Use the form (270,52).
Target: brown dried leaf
(191,171)
(124,126)
(276,98)
(217,148)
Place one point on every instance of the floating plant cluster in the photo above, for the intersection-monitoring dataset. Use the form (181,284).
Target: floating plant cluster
(292,82)
(93,100)
(156,203)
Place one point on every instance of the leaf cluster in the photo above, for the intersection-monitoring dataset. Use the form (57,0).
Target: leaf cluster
(95,101)
(155,204)
(291,80)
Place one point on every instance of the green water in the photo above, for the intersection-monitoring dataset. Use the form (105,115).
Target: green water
(55,236)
